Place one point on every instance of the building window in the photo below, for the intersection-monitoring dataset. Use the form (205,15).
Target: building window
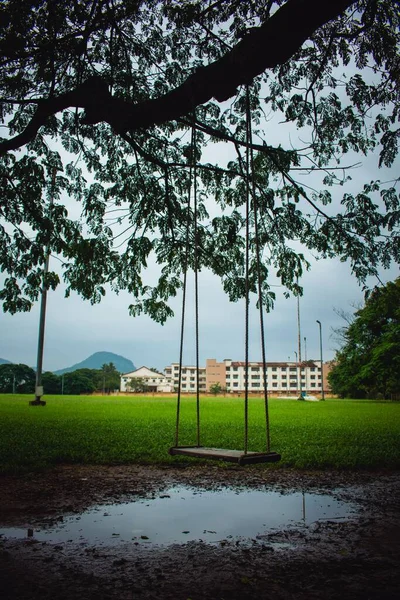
(313,385)
(284,384)
(312,376)
(274,376)
(274,385)
(183,385)
(235,384)
(293,384)
(292,369)
(255,369)
(255,385)
(235,376)
(284,376)
(283,369)
(274,368)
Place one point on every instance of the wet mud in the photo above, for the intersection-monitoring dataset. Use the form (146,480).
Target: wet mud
(358,557)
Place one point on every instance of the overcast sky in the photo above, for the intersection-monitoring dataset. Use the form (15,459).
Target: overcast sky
(75,329)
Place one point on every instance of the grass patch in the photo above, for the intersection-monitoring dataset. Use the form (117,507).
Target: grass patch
(118,430)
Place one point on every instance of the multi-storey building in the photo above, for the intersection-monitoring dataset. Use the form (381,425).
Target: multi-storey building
(188,377)
(282,377)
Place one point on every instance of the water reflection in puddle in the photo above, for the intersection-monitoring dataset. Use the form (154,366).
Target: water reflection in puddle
(182,514)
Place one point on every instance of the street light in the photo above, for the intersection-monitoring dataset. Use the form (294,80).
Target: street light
(322,367)
(42,315)
(297,372)
(305,359)
(299,346)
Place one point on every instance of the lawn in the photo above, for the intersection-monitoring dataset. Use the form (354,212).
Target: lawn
(116,430)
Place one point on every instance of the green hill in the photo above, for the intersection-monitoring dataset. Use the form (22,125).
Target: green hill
(3,361)
(98,359)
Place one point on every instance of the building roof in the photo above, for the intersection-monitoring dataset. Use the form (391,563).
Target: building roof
(147,373)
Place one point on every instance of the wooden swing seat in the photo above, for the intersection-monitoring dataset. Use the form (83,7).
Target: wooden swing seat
(235,456)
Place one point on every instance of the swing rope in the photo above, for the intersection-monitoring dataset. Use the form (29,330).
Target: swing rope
(196,271)
(250,163)
(247,287)
(250,202)
(192,179)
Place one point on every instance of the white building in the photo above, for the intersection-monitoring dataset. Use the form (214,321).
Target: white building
(188,377)
(155,382)
(282,377)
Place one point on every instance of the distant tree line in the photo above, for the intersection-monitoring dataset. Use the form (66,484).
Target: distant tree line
(20,379)
(368,363)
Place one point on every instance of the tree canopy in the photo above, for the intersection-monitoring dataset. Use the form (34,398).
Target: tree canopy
(20,379)
(16,378)
(109,108)
(368,364)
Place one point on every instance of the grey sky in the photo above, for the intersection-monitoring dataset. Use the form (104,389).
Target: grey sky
(75,329)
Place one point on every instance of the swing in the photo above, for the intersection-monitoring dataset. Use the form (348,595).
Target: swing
(241,457)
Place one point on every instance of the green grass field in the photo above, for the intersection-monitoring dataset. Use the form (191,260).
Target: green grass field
(115,430)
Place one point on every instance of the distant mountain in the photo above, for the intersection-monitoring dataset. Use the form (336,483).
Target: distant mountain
(98,359)
(3,361)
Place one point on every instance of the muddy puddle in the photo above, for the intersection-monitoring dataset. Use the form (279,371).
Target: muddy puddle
(181,514)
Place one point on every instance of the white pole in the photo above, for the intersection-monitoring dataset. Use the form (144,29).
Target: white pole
(322,363)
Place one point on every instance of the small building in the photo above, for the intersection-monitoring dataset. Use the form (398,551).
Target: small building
(151,380)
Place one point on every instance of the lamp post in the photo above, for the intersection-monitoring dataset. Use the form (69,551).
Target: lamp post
(297,371)
(322,367)
(299,346)
(305,360)
(42,315)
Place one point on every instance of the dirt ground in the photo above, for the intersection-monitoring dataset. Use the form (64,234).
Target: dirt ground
(357,558)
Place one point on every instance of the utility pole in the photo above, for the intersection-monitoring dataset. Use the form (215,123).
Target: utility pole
(322,364)
(297,372)
(299,345)
(305,360)
(42,317)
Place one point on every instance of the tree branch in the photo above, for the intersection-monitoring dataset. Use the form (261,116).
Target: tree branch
(264,47)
